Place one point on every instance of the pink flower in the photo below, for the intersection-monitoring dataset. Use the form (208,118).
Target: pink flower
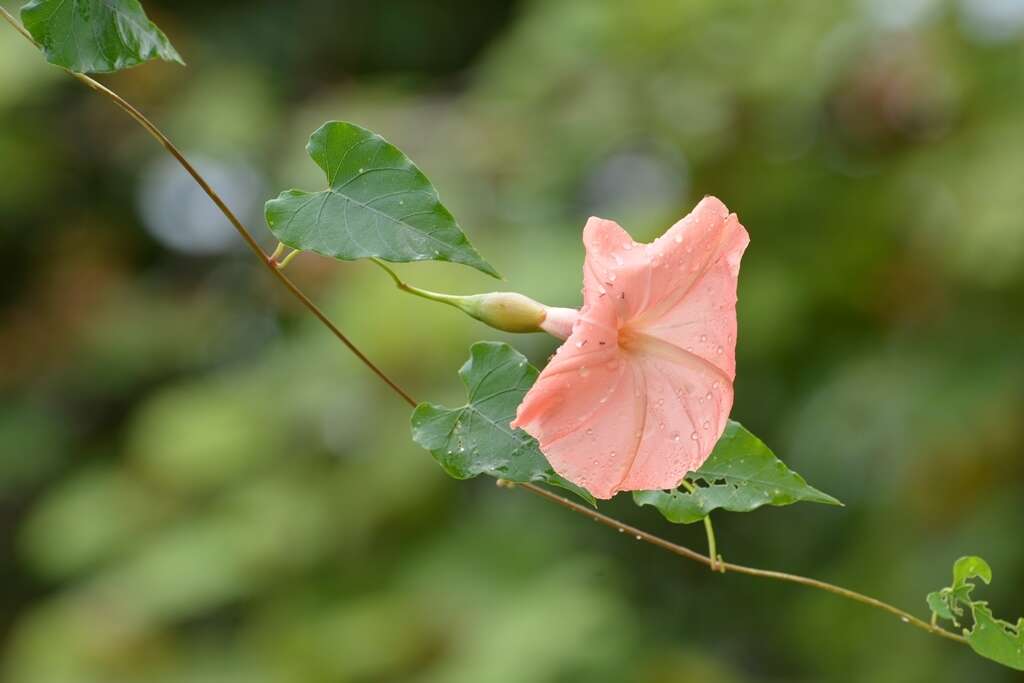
(641,390)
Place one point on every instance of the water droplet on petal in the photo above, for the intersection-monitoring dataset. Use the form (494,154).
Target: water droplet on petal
(703,337)
(612,277)
(719,350)
(706,425)
(678,239)
(694,436)
(675,436)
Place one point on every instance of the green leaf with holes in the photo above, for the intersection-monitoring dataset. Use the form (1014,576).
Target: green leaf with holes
(377,204)
(991,638)
(475,438)
(96,36)
(740,475)
(996,639)
(948,603)
(970,567)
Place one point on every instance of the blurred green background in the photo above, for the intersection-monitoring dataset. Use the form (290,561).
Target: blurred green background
(198,484)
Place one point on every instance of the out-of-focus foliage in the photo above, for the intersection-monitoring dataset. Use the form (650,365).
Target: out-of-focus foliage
(199,484)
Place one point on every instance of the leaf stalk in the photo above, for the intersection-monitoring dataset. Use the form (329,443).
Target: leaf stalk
(717,565)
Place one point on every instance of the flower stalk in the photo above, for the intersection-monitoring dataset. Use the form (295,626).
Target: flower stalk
(506,311)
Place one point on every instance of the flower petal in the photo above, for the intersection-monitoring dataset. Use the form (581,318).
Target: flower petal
(687,408)
(616,270)
(692,302)
(582,407)
(642,389)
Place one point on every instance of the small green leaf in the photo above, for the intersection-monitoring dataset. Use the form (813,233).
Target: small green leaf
(996,639)
(377,204)
(740,475)
(476,438)
(970,567)
(938,602)
(991,638)
(96,36)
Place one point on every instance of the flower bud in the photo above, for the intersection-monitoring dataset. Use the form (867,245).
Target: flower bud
(506,311)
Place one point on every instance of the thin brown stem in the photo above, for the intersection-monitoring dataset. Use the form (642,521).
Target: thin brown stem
(683,551)
(250,241)
(271,264)
(242,230)
(9,18)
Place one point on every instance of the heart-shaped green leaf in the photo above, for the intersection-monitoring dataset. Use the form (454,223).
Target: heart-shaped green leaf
(377,204)
(476,438)
(740,475)
(96,36)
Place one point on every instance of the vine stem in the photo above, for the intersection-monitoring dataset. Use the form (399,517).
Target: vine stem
(271,266)
(268,262)
(682,551)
